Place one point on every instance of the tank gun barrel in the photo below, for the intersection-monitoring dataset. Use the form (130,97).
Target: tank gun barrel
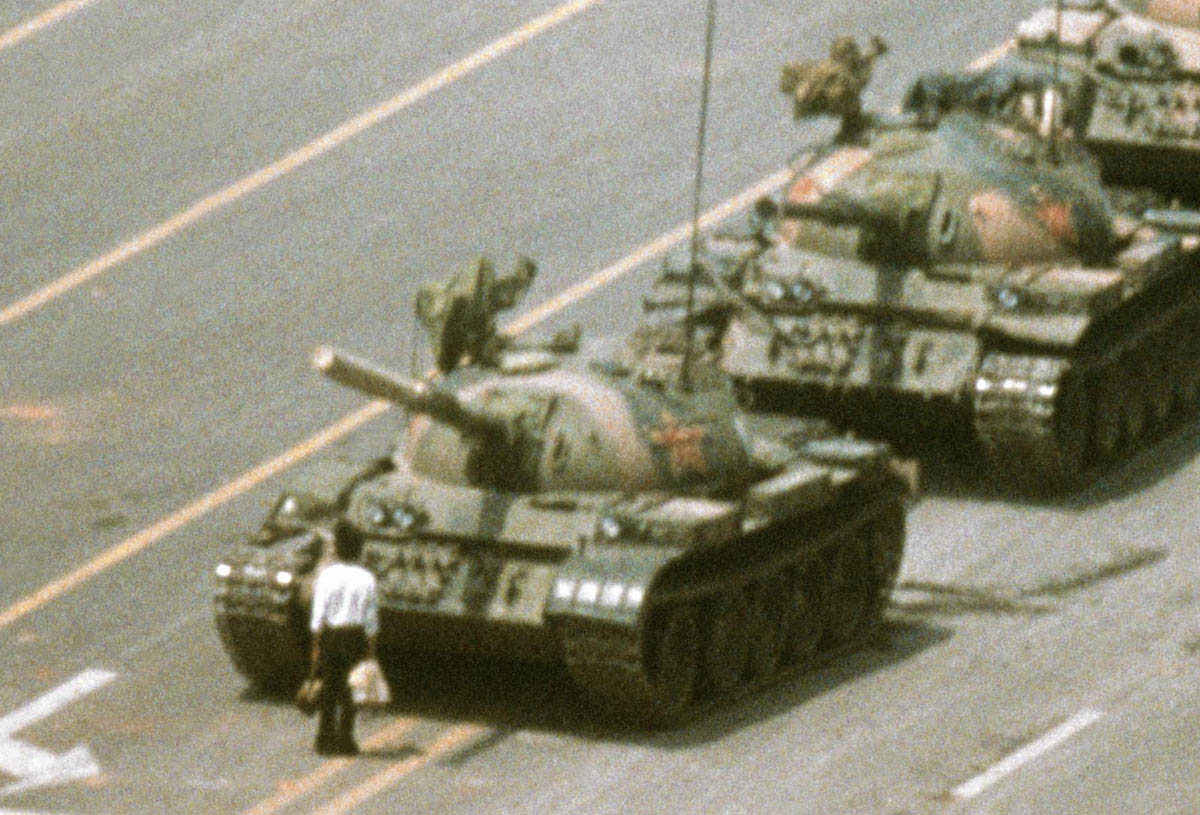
(1173,220)
(414,395)
(841,210)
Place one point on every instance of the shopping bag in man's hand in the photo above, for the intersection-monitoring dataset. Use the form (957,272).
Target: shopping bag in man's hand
(368,688)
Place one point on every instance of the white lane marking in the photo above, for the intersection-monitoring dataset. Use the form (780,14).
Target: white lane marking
(33,766)
(294,160)
(1029,752)
(44,20)
(24,812)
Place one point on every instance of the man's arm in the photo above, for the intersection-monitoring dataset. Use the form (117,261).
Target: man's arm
(316,621)
(371,620)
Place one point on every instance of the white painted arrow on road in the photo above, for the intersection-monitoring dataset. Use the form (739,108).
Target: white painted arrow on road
(33,766)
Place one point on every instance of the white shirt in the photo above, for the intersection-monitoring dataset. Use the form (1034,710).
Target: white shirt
(344,594)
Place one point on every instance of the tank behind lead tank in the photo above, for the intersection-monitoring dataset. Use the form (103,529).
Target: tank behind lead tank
(1130,76)
(666,547)
(959,268)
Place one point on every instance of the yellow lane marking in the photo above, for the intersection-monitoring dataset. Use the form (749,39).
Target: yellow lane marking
(386,778)
(30,413)
(44,20)
(987,60)
(292,790)
(136,543)
(646,252)
(292,161)
(371,410)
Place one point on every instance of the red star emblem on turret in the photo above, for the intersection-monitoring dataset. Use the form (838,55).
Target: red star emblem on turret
(682,445)
(1055,216)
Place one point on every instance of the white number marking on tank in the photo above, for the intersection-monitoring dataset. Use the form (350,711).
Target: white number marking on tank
(1026,754)
(33,766)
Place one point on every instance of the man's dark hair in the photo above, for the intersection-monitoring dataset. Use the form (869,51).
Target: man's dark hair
(347,542)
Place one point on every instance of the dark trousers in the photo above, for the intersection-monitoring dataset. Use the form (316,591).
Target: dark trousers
(340,649)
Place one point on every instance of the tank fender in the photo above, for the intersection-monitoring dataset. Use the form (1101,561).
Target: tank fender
(1048,330)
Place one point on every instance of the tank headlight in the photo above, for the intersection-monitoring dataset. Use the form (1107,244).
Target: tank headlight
(404,519)
(283,578)
(1008,298)
(223,570)
(774,290)
(609,528)
(610,595)
(801,292)
(589,590)
(377,515)
(289,505)
(564,588)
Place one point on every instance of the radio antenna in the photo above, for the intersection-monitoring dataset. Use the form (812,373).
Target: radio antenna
(685,376)
(1052,100)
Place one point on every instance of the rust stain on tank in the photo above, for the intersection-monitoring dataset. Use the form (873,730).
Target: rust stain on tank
(1006,233)
(1056,216)
(682,445)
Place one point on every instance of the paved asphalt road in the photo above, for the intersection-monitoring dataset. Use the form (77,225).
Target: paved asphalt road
(1039,658)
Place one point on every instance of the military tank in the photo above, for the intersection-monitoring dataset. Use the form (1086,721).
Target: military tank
(922,273)
(1126,80)
(552,505)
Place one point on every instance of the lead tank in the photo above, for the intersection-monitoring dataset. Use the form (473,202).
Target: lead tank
(665,546)
(1128,87)
(920,274)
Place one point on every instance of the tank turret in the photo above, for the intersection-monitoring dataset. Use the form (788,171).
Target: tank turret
(1125,76)
(964,191)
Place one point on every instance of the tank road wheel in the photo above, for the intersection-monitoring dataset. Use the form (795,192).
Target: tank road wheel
(885,538)
(1070,430)
(802,624)
(726,648)
(1157,387)
(1133,404)
(1106,416)
(848,590)
(766,632)
(1185,380)
(674,659)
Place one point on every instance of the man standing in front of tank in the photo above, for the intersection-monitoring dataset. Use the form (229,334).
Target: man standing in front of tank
(345,622)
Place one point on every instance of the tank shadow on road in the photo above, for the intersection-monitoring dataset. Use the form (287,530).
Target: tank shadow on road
(509,696)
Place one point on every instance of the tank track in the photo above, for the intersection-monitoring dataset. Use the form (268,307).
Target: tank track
(1016,418)
(264,636)
(611,663)
(1044,422)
